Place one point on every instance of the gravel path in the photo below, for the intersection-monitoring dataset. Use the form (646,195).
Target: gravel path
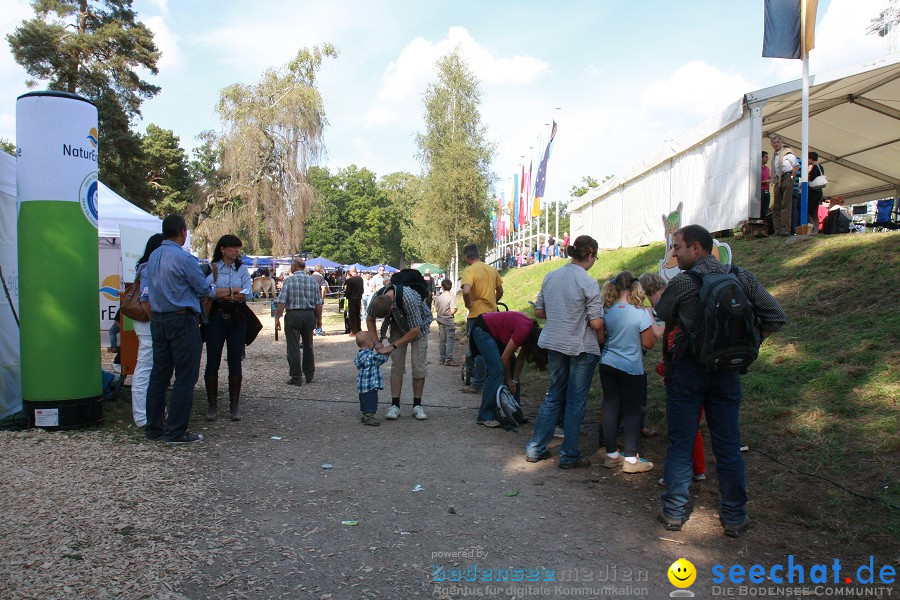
(252,513)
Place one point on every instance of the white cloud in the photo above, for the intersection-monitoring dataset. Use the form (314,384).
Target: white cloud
(695,88)
(406,77)
(167,42)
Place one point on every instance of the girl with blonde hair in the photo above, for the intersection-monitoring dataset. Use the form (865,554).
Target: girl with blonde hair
(628,330)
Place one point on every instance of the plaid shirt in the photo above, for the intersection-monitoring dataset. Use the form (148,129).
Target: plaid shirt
(681,300)
(299,291)
(369,362)
(415,313)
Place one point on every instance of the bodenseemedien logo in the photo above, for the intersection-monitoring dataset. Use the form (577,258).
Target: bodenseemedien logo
(682,574)
(88,198)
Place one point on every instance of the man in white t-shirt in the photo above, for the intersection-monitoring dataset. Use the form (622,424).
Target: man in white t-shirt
(785,167)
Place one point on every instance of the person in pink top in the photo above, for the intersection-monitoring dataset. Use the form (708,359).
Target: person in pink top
(496,336)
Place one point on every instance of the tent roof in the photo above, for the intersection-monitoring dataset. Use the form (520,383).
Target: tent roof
(321,260)
(854,125)
(115,210)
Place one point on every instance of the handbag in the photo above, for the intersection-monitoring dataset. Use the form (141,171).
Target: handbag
(819,182)
(130,301)
(254,326)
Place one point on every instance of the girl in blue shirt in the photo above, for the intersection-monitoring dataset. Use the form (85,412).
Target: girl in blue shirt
(628,331)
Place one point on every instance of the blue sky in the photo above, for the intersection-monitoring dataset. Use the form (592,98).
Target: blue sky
(626,75)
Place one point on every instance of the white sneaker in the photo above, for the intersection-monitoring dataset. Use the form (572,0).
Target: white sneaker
(419,413)
(392,413)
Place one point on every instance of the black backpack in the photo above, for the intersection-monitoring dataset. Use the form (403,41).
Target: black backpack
(725,337)
(408,278)
(507,411)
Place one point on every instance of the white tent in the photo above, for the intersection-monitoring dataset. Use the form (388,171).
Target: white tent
(10,363)
(714,169)
(115,211)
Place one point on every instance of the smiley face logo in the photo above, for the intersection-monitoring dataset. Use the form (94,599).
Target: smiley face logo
(682,573)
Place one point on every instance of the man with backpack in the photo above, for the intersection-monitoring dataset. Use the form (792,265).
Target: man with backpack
(407,320)
(723,313)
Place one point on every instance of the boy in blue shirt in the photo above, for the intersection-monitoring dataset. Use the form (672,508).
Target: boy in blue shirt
(368,381)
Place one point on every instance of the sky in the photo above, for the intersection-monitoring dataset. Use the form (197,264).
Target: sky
(619,76)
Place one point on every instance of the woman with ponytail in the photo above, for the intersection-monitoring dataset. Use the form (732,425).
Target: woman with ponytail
(628,330)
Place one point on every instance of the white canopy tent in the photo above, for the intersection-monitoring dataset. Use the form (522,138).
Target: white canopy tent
(714,169)
(10,363)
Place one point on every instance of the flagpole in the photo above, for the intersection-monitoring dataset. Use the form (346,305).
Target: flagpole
(804,120)
(556,229)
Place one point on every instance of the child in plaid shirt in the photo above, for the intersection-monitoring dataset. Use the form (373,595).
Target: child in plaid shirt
(368,382)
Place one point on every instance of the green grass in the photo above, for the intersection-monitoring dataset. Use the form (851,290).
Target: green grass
(823,395)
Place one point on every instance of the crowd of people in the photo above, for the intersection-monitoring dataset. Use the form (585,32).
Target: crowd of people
(586,323)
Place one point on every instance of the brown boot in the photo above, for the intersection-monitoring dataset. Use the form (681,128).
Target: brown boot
(212,395)
(234,394)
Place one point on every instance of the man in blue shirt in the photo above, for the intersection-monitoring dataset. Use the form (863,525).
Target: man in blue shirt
(175,285)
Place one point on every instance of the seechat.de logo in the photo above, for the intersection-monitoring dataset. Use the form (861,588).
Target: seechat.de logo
(93,137)
(110,288)
(682,574)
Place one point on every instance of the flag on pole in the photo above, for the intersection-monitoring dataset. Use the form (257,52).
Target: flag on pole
(529,191)
(784,21)
(516,200)
(523,214)
(541,183)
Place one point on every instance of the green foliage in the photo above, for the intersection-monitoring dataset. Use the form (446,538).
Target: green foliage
(588,183)
(456,158)
(8,147)
(358,219)
(95,48)
(168,179)
(272,135)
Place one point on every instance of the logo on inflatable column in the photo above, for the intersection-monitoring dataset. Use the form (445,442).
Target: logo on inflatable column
(88,198)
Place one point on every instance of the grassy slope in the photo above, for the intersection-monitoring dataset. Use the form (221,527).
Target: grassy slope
(823,395)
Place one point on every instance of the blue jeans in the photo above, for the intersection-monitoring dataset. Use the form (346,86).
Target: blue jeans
(368,401)
(490,353)
(689,388)
(176,347)
(475,364)
(570,380)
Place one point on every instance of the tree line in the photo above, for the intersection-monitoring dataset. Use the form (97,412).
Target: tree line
(259,175)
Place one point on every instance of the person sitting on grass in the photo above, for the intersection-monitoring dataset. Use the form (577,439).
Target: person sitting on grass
(368,381)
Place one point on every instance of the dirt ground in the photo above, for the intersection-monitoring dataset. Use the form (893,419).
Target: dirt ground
(268,517)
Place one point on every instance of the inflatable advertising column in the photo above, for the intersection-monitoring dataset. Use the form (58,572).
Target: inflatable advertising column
(56,173)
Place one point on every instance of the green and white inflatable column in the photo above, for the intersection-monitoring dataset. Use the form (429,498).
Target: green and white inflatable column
(56,173)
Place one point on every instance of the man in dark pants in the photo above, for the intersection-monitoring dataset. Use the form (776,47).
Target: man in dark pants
(353,292)
(301,299)
(175,284)
(691,386)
